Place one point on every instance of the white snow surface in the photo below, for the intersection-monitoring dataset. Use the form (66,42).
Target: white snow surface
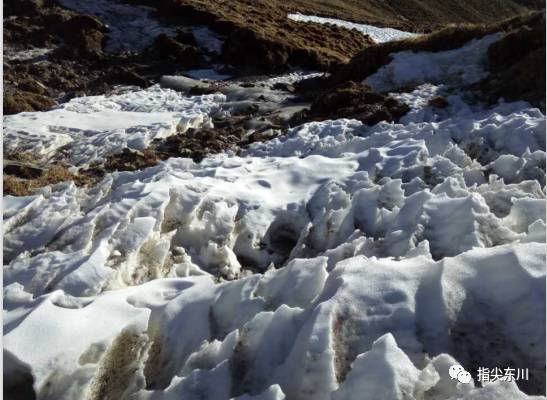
(338,260)
(377,34)
(462,66)
(90,128)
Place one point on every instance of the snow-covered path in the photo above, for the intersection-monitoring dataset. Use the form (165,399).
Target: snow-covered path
(337,260)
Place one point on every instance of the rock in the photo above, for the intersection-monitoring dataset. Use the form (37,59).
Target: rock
(186,38)
(187,56)
(438,102)
(84,36)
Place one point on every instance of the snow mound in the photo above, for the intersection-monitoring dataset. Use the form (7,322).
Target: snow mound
(130,27)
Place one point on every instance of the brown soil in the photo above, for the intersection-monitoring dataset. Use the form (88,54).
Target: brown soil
(351,100)
(22,179)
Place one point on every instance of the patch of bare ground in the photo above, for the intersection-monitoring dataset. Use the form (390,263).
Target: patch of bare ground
(350,100)
(21,179)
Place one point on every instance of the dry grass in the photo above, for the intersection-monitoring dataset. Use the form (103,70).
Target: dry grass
(259,34)
(24,186)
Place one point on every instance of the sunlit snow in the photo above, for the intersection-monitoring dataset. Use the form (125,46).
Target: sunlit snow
(337,260)
(377,34)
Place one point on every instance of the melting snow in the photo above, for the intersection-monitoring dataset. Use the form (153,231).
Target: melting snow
(453,67)
(401,249)
(92,127)
(377,34)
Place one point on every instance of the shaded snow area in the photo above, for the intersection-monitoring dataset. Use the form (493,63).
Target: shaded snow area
(379,35)
(130,27)
(336,262)
(134,27)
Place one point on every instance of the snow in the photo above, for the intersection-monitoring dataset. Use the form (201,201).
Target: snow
(379,35)
(208,40)
(133,27)
(462,66)
(337,260)
(34,54)
(92,127)
(130,27)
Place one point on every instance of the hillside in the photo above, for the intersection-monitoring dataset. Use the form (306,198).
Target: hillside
(414,15)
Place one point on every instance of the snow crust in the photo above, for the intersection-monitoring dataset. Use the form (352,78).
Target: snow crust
(338,260)
(377,34)
(90,128)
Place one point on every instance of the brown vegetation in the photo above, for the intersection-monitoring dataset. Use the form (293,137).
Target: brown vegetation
(351,100)
(261,38)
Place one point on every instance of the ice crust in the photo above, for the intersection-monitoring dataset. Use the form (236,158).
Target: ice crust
(336,261)
(377,34)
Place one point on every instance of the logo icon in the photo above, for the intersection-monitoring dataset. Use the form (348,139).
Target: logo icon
(458,373)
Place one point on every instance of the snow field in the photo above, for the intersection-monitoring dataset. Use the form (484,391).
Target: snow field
(399,251)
